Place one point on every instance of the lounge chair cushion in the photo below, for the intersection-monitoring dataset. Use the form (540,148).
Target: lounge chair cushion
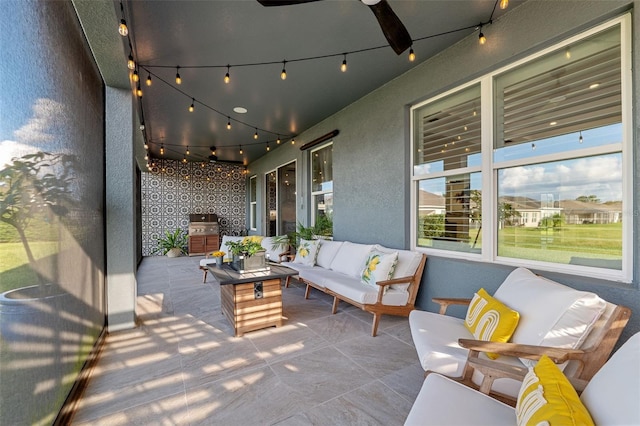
(444,402)
(489,319)
(567,317)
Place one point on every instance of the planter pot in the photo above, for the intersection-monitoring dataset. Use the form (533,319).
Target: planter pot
(254,263)
(174,252)
(219,261)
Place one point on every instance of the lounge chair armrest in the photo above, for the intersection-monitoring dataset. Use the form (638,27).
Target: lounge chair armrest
(401,280)
(558,355)
(444,303)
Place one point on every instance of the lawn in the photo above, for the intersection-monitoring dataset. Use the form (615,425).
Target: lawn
(15,271)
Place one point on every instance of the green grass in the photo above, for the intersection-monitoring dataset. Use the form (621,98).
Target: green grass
(15,271)
(593,245)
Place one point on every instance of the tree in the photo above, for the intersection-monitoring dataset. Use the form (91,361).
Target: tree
(35,185)
(588,199)
(507,213)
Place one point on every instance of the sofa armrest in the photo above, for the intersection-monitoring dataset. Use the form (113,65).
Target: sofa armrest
(557,355)
(288,257)
(444,303)
(401,280)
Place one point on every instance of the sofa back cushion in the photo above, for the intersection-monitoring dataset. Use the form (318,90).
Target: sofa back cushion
(327,252)
(408,262)
(613,393)
(551,314)
(350,258)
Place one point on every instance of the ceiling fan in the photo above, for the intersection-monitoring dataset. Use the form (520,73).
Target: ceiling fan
(393,29)
(214,158)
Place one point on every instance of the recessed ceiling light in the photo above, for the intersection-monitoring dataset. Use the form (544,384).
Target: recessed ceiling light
(594,85)
(553,123)
(240,110)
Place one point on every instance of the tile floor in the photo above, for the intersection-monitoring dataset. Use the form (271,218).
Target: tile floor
(182,365)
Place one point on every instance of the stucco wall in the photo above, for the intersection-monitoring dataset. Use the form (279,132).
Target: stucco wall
(371,153)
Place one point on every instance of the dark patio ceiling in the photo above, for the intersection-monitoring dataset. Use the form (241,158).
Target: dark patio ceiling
(203,37)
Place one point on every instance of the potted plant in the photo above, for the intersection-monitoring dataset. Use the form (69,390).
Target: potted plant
(218,256)
(248,254)
(173,243)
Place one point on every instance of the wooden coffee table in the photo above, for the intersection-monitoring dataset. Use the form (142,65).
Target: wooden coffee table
(252,300)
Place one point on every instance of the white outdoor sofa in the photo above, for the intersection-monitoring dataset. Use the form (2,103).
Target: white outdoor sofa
(611,397)
(551,315)
(338,268)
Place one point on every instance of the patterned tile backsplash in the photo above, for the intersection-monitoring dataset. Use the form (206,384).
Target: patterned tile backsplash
(172,190)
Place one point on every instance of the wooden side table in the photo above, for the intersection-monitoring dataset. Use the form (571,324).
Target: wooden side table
(251,301)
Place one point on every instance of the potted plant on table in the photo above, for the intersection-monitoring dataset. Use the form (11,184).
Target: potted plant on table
(173,243)
(248,254)
(218,256)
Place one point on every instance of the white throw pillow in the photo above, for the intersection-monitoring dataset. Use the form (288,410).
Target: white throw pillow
(327,252)
(378,267)
(273,253)
(306,253)
(350,258)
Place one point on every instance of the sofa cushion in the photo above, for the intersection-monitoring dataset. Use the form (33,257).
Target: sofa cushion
(408,262)
(613,393)
(318,275)
(297,266)
(327,252)
(551,314)
(353,289)
(489,319)
(273,253)
(350,258)
(547,397)
(378,267)
(307,251)
(443,401)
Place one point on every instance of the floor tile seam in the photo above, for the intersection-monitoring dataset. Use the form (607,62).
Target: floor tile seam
(236,373)
(354,361)
(282,358)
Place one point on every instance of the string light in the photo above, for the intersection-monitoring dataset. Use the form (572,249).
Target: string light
(255,135)
(268,148)
(293,141)
(122,28)
(178,79)
(412,55)
(139,91)
(481,38)
(135,76)
(227,78)
(146,145)
(187,151)
(343,67)
(504,4)
(213,150)
(149,80)
(192,106)
(580,139)
(130,63)
(278,140)
(283,74)
(241,151)
(228,123)
(161,149)
(184,159)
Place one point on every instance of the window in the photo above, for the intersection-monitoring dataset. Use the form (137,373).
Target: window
(322,183)
(546,142)
(253,206)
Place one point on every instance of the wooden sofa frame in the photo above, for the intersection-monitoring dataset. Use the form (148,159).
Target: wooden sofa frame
(590,358)
(378,309)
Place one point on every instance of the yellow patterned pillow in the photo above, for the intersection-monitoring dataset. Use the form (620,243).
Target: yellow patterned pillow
(489,319)
(547,398)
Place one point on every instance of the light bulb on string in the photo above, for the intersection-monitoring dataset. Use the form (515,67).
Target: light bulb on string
(149,80)
(481,38)
(255,135)
(241,151)
(580,139)
(228,123)
(504,4)
(278,140)
(139,91)
(187,152)
(178,78)
(184,159)
(343,67)
(268,148)
(412,55)
(293,141)
(130,62)
(146,145)
(135,77)
(161,149)
(192,106)
(122,28)
(283,74)
(227,78)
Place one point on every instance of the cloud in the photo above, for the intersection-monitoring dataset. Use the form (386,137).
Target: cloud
(43,127)
(567,180)
(11,149)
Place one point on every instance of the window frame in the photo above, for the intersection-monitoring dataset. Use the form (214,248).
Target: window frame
(253,203)
(314,194)
(489,168)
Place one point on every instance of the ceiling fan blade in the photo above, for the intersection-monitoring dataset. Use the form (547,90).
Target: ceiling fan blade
(393,29)
(283,2)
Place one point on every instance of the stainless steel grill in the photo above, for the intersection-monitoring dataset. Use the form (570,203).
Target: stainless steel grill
(204,231)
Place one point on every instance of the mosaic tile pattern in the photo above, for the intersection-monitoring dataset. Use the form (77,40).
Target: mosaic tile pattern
(172,190)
